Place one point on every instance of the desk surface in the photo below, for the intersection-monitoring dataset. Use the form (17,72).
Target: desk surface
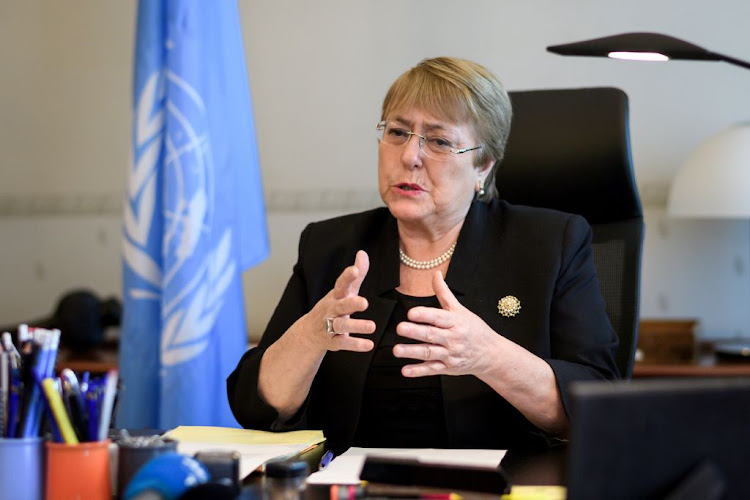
(705,363)
(642,370)
(536,468)
(98,360)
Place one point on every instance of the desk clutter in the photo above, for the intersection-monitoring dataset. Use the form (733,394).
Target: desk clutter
(56,443)
(34,402)
(213,462)
(53,429)
(122,467)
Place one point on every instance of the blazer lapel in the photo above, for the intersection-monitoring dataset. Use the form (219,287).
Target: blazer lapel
(383,276)
(469,247)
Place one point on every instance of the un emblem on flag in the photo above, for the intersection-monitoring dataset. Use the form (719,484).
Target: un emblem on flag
(175,246)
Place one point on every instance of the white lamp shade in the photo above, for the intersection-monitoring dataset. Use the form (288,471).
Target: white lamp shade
(714,182)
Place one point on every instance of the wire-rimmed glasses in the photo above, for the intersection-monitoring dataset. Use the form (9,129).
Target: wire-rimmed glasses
(436,147)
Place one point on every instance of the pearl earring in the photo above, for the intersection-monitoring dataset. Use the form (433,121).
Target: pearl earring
(480,187)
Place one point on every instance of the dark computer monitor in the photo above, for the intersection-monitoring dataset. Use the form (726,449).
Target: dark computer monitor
(644,439)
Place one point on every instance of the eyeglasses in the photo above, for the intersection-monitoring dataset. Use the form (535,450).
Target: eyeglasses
(433,146)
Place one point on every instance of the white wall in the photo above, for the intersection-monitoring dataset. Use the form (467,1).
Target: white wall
(318,72)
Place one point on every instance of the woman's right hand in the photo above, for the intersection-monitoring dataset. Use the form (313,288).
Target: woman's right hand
(289,365)
(339,304)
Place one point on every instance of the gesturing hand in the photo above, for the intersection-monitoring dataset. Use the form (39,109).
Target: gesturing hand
(453,340)
(335,310)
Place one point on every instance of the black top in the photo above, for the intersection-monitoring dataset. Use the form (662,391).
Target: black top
(541,257)
(398,411)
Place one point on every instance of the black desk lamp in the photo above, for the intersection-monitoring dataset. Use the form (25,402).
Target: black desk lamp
(714,182)
(643,47)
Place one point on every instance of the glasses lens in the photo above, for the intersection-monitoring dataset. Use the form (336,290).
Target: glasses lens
(394,134)
(438,147)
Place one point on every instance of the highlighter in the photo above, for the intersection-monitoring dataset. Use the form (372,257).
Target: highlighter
(58,411)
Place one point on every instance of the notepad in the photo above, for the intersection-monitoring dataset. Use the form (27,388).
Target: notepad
(255,447)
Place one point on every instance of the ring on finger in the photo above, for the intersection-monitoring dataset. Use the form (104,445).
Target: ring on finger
(329,326)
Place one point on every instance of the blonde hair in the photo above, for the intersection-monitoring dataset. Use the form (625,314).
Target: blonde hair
(458,91)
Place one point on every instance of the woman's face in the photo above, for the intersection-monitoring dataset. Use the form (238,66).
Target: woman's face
(422,190)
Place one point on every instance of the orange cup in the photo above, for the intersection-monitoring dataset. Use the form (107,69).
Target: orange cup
(78,471)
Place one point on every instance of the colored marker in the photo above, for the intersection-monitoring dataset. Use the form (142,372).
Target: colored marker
(58,411)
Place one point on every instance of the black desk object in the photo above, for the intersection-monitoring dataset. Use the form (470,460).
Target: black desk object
(536,467)
(410,472)
(671,438)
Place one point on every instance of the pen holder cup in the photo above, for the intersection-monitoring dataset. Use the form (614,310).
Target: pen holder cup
(22,468)
(78,471)
(133,454)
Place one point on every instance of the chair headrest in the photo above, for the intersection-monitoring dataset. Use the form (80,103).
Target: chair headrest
(569,149)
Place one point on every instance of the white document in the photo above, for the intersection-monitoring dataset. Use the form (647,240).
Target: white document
(346,468)
(252,456)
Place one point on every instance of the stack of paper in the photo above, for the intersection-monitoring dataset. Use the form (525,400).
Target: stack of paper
(254,447)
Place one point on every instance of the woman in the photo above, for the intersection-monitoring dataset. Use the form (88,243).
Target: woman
(501,301)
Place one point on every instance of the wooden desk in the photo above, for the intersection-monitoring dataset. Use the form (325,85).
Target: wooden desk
(95,361)
(706,366)
(671,349)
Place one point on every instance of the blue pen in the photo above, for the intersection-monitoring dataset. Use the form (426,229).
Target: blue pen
(49,369)
(36,405)
(44,367)
(325,459)
(4,388)
(92,407)
(85,382)
(15,391)
(30,352)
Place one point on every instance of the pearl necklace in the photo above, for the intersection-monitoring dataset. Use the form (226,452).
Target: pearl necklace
(426,264)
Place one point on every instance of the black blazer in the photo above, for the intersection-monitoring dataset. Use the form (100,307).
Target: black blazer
(542,257)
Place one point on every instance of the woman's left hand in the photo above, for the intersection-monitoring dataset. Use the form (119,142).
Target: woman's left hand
(453,340)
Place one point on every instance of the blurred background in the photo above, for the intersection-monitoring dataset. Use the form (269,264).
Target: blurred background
(318,72)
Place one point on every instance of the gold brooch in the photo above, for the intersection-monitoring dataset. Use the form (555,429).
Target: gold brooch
(508,306)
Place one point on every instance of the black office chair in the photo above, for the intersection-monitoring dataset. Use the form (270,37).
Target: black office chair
(569,149)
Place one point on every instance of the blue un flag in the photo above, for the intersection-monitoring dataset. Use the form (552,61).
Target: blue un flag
(194,216)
